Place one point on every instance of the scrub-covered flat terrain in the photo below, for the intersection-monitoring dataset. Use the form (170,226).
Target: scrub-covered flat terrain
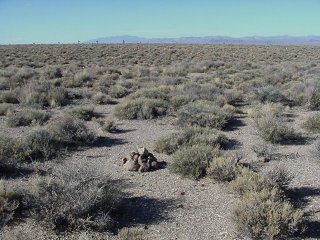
(235,131)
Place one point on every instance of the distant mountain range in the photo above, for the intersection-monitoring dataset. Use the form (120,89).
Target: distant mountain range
(274,40)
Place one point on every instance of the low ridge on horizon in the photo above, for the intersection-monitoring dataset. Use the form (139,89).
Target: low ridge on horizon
(255,39)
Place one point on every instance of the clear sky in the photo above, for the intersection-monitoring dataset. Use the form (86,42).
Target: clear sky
(67,21)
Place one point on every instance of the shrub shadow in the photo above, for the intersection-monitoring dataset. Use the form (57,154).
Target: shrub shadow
(144,210)
(13,172)
(235,124)
(299,196)
(108,142)
(313,229)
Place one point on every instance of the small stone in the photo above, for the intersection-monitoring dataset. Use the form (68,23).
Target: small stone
(180,193)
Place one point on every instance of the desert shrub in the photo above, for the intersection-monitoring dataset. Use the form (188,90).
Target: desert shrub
(83,76)
(28,117)
(75,198)
(109,126)
(312,123)
(248,180)
(52,72)
(179,100)
(141,108)
(193,161)
(272,129)
(190,136)
(5,108)
(263,110)
(68,131)
(11,151)
(223,169)
(57,96)
(133,233)
(9,97)
(100,98)
(83,113)
(314,103)
(269,94)
(263,151)
(8,204)
(203,114)
(39,144)
(149,93)
(280,176)
(265,215)
(118,91)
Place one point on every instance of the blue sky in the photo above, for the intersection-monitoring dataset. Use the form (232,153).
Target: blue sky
(67,21)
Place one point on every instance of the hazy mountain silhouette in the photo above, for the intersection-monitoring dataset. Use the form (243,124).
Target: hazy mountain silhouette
(275,40)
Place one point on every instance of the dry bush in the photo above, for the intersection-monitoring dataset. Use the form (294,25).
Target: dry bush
(118,91)
(280,176)
(8,203)
(9,97)
(316,148)
(248,181)
(314,103)
(100,98)
(188,137)
(268,94)
(28,117)
(153,93)
(204,114)
(52,72)
(5,108)
(9,151)
(67,131)
(265,215)
(109,125)
(132,233)
(75,198)
(141,108)
(83,113)
(223,169)
(270,123)
(312,123)
(193,161)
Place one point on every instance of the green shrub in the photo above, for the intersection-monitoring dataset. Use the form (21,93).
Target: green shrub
(203,114)
(75,198)
(223,169)
(131,234)
(141,108)
(265,215)
(27,117)
(83,113)
(188,137)
(312,123)
(68,131)
(193,161)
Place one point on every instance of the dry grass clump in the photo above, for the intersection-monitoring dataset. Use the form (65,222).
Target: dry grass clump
(192,162)
(265,215)
(204,114)
(270,124)
(314,103)
(312,123)
(268,94)
(190,136)
(223,169)
(9,151)
(141,108)
(83,113)
(149,93)
(28,117)
(75,198)
(262,212)
(52,72)
(132,233)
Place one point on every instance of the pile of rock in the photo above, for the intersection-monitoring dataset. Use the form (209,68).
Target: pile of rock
(141,160)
